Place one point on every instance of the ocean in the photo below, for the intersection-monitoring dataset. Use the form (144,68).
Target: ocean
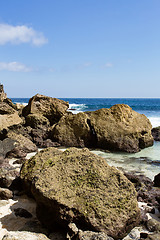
(147,161)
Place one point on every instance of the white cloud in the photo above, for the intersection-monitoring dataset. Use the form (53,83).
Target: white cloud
(20,34)
(108,65)
(14,67)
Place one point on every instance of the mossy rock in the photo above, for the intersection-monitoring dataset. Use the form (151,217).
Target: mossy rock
(79,186)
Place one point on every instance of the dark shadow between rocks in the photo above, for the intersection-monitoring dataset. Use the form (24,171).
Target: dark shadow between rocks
(93,135)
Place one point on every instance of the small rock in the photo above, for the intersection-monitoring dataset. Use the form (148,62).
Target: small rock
(24,236)
(153,225)
(7,175)
(21,212)
(72,231)
(156,133)
(144,217)
(5,194)
(150,210)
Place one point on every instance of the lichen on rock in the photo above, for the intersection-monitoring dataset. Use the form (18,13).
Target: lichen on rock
(78,186)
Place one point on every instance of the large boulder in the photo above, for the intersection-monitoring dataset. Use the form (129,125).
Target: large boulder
(117,129)
(80,187)
(72,130)
(51,108)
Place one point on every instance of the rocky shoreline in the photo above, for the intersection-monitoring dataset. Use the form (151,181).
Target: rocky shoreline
(73,194)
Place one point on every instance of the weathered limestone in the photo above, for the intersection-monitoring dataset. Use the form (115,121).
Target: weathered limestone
(51,108)
(117,129)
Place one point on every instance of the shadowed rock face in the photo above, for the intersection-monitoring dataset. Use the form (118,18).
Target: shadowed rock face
(6,146)
(79,186)
(156,133)
(23,144)
(51,108)
(118,128)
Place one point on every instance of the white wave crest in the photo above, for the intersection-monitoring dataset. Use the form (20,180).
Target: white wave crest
(155,121)
(22,103)
(76,108)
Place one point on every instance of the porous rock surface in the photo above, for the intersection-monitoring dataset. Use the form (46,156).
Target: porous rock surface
(8,117)
(37,121)
(156,133)
(118,128)
(23,144)
(78,186)
(51,108)
(6,146)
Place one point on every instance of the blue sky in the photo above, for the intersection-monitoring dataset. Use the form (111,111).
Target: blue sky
(85,48)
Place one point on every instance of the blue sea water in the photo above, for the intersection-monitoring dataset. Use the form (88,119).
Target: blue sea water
(148,106)
(146,161)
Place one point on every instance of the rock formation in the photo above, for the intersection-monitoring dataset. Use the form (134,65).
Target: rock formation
(78,186)
(117,129)
(51,108)
(3,95)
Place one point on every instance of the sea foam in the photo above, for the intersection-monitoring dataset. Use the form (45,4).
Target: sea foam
(155,121)
(76,108)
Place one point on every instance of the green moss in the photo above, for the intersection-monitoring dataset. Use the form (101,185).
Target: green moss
(49,163)
(79,180)
(90,179)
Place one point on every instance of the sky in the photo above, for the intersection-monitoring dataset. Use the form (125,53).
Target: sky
(85,48)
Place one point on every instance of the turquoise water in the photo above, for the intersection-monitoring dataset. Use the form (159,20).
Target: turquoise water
(146,162)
